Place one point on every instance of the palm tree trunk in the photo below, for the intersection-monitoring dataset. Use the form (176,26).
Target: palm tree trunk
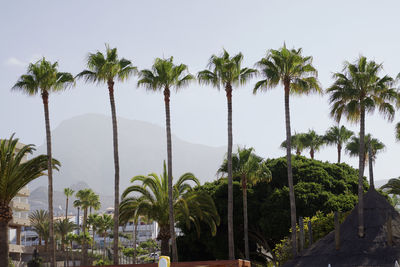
(245,219)
(134,242)
(52,252)
(5,218)
(289,171)
(164,236)
(66,209)
(231,242)
(339,152)
(84,243)
(371,171)
(116,165)
(169,169)
(312,153)
(361,174)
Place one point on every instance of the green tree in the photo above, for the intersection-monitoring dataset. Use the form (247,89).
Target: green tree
(93,221)
(164,76)
(226,71)
(94,202)
(251,169)
(83,201)
(359,90)
(190,206)
(63,228)
(67,192)
(312,141)
(296,143)
(392,186)
(298,76)
(39,221)
(15,173)
(106,68)
(338,136)
(43,77)
(104,223)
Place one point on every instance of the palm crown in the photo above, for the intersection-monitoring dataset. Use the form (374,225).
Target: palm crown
(353,146)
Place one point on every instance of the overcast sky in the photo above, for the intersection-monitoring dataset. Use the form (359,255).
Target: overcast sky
(191,31)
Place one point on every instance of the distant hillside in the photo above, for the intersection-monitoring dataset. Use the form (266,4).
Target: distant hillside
(38,199)
(83,144)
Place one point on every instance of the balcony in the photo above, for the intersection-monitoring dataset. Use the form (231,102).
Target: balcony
(20,249)
(16,221)
(19,206)
(24,192)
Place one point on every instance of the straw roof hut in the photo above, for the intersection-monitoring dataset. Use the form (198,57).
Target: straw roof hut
(372,250)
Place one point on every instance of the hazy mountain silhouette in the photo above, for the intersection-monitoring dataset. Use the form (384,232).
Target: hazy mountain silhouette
(83,145)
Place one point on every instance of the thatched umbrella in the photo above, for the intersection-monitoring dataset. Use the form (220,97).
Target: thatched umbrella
(375,249)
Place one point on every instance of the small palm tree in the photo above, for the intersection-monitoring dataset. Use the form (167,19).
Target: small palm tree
(359,90)
(313,141)
(165,76)
(226,71)
(83,201)
(296,143)
(93,222)
(106,68)
(43,78)
(62,228)
(94,202)
(103,224)
(190,206)
(67,192)
(15,173)
(298,76)
(338,136)
(39,221)
(251,169)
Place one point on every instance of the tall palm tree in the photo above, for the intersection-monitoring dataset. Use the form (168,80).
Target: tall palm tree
(165,76)
(359,90)
(338,136)
(313,141)
(83,201)
(106,68)
(296,142)
(190,206)
(39,220)
(15,173)
(251,169)
(67,192)
(226,71)
(62,228)
(43,77)
(298,76)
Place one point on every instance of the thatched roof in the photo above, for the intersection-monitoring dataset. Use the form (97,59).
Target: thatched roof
(372,250)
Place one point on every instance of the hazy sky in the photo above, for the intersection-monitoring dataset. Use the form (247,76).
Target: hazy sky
(191,31)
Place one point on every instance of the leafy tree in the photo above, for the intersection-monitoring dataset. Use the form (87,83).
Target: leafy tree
(190,207)
(15,173)
(164,76)
(106,68)
(298,76)
(226,71)
(251,169)
(43,77)
(67,192)
(319,186)
(296,142)
(359,90)
(338,136)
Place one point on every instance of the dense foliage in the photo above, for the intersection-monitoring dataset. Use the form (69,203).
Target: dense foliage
(319,186)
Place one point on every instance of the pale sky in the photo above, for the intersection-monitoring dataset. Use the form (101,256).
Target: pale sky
(191,31)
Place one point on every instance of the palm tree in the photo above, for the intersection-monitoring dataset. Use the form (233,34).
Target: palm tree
(15,173)
(296,143)
(151,200)
(67,192)
(103,224)
(392,186)
(62,228)
(43,77)
(356,91)
(353,147)
(226,71)
(313,141)
(298,76)
(398,131)
(338,136)
(39,220)
(106,68)
(164,76)
(83,201)
(94,202)
(93,222)
(251,169)
(129,211)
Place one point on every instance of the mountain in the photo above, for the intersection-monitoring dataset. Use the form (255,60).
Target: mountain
(83,145)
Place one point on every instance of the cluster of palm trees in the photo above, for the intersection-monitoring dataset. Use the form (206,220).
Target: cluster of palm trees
(357,90)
